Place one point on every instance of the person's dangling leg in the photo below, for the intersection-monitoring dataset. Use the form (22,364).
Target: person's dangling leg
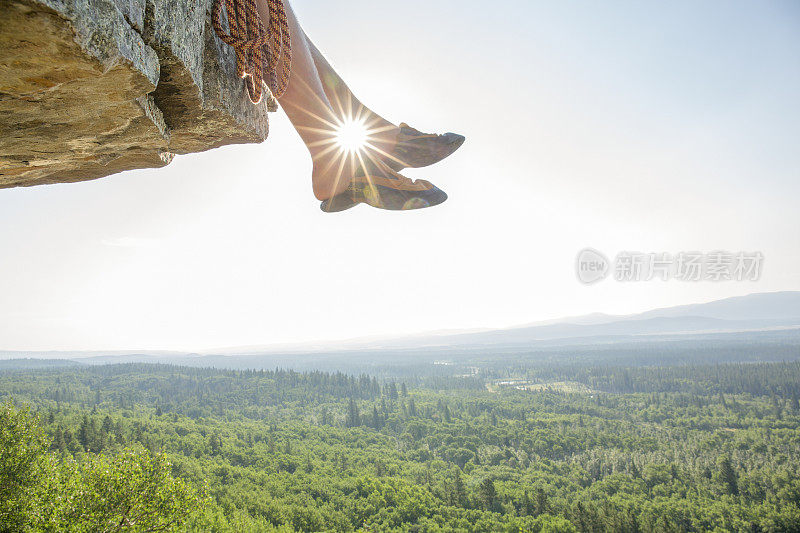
(311,113)
(382,133)
(397,146)
(337,173)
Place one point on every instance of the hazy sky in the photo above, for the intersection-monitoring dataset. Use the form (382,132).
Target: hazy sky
(656,127)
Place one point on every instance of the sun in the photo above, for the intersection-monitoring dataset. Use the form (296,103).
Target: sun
(351,135)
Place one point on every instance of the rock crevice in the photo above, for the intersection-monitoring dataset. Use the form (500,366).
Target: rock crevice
(90,88)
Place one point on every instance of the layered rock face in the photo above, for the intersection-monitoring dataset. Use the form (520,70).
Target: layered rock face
(89,88)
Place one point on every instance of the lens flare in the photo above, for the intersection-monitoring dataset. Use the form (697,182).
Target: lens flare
(351,135)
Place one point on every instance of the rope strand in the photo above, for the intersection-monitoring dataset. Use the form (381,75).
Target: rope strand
(262,56)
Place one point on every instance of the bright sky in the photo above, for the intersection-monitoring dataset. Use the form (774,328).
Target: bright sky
(655,127)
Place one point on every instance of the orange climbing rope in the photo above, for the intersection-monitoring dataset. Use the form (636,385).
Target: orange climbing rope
(262,54)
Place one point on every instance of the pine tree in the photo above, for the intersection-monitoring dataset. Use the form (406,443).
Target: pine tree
(215,443)
(72,445)
(97,441)
(541,502)
(108,424)
(85,436)
(459,491)
(728,476)
(59,443)
(353,416)
(488,494)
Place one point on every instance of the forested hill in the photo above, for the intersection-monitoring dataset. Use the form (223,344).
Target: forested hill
(31,363)
(409,364)
(567,448)
(186,389)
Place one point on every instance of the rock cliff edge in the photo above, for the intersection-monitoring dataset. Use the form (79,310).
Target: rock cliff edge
(89,88)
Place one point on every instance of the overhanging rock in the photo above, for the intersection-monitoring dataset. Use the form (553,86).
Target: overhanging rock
(89,88)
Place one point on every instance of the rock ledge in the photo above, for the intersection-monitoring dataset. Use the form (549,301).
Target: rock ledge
(89,88)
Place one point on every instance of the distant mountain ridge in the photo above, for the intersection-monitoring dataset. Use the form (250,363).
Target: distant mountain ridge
(753,312)
(35,363)
(759,312)
(763,305)
(629,327)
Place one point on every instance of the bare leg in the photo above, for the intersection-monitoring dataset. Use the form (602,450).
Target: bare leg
(311,113)
(385,140)
(317,102)
(383,133)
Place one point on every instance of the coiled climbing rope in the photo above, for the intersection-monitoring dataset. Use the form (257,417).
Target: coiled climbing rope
(262,54)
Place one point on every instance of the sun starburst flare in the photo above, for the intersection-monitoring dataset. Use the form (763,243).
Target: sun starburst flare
(352,135)
(349,140)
